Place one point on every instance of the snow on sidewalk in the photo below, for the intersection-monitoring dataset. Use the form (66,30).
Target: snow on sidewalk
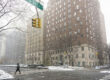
(62,68)
(4,75)
(54,68)
(106,71)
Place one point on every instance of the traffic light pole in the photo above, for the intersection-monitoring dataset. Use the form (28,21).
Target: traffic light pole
(37,12)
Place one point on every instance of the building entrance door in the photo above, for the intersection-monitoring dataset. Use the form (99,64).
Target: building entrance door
(61,59)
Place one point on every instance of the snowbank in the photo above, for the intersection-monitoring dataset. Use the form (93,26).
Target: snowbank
(8,65)
(63,68)
(59,68)
(104,71)
(4,75)
(78,68)
(21,65)
(102,67)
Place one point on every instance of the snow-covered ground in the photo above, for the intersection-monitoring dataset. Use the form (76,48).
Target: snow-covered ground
(21,65)
(105,71)
(4,75)
(63,68)
(102,67)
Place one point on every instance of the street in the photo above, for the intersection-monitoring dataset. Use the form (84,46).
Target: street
(64,75)
(86,74)
(57,75)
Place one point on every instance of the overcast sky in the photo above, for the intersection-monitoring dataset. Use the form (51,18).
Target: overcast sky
(105,5)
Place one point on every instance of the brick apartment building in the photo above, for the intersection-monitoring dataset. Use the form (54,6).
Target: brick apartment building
(72,33)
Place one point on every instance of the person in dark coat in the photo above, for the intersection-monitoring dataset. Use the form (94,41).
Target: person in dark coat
(18,69)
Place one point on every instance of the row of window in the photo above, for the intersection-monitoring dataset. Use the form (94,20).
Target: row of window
(34,62)
(80,63)
(58,11)
(87,64)
(91,56)
(71,50)
(51,37)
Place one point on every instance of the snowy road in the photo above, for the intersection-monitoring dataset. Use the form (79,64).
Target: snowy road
(66,74)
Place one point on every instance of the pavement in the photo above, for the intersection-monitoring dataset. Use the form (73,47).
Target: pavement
(44,74)
(63,75)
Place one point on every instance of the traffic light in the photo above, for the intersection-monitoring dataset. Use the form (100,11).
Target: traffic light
(34,22)
(39,23)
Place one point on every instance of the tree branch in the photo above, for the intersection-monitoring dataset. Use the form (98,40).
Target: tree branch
(4,14)
(9,22)
(13,28)
(3,7)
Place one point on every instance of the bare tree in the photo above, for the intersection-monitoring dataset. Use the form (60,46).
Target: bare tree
(11,10)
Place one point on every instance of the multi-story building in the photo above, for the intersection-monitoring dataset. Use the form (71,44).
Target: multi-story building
(102,47)
(14,48)
(34,43)
(109,52)
(72,32)
(2,48)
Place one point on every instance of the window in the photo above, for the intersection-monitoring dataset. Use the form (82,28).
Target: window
(77,7)
(78,30)
(83,56)
(75,33)
(82,48)
(64,13)
(65,24)
(69,1)
(78,63)
(64,3)
(81,35)
(81,23)
(83,63)
(74,2)
(69,16)
(89,55)
(69,5)
(69,10)
(76,55)
(80,11)
(78,19)
(74,13)
(87,29)
(65,57)
(93,56)
(56,58)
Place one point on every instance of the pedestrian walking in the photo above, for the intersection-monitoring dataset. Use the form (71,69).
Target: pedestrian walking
(18,69)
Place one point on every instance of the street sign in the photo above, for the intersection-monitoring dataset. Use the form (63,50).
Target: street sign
(35,3)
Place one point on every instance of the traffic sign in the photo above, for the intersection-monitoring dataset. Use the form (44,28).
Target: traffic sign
(35,3)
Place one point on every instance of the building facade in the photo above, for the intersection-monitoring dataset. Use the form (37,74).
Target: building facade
(34,43)
(2,49)
(72,32)
(103,46)
(15,47)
